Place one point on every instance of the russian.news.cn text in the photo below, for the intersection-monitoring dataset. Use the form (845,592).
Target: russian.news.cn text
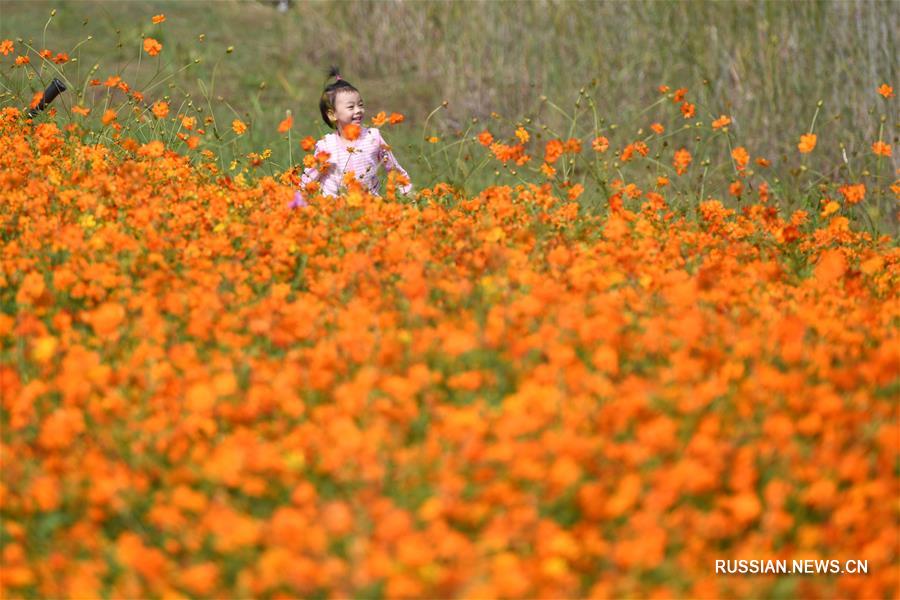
(792,567)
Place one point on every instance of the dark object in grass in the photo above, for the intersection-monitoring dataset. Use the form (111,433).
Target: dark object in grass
(53,90)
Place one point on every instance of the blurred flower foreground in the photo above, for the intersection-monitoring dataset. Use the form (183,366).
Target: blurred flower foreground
(206,393)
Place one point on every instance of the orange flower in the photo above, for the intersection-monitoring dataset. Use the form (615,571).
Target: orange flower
(681,161)
(6,46)
(46,493)
(885,90)
(881,149)
(679,95)
(286,124)
(830,267)
(351,131)
(61,428)
(31,289)
(807,143)
(506,153)
(763,162)
(152,47)
(736,189)
(573,146)
(322,159)
(157,19)
(22,60)
(200,579)
(744,507)
(663,89)
(160,109)
(107,319)
(552,151)
(627,493)
(61,58)
(763,192)
(688,110)
(657,128)
(238,126)
(830,207)
(741,157)
(853,194)
(575,191)
(522,135)
(662,181)
(108,117)
(81,110)
(395,118)
(379,119)
(308,143)
(722,121)
(312,187)
(600,144)
(485,138)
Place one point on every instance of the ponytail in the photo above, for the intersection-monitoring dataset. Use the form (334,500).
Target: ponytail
(334,72)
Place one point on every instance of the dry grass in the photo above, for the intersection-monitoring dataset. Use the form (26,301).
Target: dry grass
(768,62)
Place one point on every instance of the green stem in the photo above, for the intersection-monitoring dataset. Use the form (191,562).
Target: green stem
(290,148)
(44,32)
(812,126)
(170,76)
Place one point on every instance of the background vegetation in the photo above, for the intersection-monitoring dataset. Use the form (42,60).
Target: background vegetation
(768,62)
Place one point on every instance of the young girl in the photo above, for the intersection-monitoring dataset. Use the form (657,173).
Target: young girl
(342,109)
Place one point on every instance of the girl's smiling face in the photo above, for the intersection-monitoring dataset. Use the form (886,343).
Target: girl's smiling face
(348,108)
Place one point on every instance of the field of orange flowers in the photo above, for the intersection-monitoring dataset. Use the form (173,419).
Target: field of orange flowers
(208,394)
(639,351)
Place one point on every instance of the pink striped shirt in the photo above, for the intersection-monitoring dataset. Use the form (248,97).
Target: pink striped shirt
(368,151)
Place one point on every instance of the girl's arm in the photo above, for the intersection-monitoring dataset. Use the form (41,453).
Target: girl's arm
(386,158)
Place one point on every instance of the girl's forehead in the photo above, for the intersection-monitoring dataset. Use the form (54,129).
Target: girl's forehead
(347,96)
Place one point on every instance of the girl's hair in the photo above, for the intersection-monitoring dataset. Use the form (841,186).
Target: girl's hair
(326,102)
